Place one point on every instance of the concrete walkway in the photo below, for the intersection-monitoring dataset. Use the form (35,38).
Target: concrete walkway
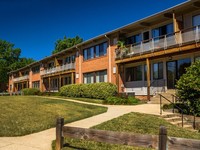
(42,140)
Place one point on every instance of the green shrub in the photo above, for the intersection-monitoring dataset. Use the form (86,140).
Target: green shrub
(113,100)
(31,91)
(188,87)
(167,106)
(49,94)
(94,90)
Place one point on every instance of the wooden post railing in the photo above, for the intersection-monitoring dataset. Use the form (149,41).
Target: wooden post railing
(59,136)
(160,142)
(162,138)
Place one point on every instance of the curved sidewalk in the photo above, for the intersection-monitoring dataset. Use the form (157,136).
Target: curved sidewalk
(42,140)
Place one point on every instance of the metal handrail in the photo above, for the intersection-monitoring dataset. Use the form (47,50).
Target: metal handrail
(174,98)
(174,105)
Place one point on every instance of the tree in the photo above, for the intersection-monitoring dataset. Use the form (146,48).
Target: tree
(10,60)
(188,87)
(65,43)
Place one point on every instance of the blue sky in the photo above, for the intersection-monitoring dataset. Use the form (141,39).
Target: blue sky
(35,25)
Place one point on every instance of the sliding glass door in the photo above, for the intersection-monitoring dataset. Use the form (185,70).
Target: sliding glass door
(175,69)
(171,74)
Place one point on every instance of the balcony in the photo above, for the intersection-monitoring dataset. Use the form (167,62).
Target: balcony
(177,39)
(58,69)
(26,77)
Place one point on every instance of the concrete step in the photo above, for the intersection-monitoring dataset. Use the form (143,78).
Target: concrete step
(185,123)
(163,99)
(176,119)
(189,127)
(171,110)
(171,91)
(179,123)
(158,102)
(173,119)
(176,123)
(171,115)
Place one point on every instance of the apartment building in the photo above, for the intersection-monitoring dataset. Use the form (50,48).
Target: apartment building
(157,50)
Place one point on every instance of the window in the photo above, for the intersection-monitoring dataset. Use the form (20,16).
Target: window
(134,73)
(36,84)
(36,69)
(103,49)
(115,41)
(67,80)
(89,78)
(162,30)
(70,59)
(10,87)
(134,39)
(146,35)
(158,71)
(182,64)
(101,76)
(73,58)
(25,73)
(85,54)
(95,77)
(129,74)
(54,83)
(88,53)
(95,51)
(196,20)
(51,65)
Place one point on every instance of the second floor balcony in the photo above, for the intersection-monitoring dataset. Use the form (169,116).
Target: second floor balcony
(26,77)
(58,69)
(176,39)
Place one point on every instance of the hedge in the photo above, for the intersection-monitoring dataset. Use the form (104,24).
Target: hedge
(49,94)
(113,100)
(101,90)
(31,91)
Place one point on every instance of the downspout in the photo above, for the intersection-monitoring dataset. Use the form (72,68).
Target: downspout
(79,65)
(109,59)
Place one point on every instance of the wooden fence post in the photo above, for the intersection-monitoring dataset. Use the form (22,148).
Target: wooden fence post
(162,138)
(59,135)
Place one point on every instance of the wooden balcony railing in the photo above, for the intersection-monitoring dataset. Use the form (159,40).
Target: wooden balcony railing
(58,69)
(190,35)
(26,77)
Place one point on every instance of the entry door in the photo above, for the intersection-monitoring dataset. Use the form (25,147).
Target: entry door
(171,74)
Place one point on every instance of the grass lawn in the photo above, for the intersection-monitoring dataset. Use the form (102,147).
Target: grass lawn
(135,123)
(90,100)
(99,101)
(21,115)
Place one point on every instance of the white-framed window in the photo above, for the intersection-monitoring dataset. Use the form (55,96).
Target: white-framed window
(101,76)
(36,84)
(95,77)
(89,77)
